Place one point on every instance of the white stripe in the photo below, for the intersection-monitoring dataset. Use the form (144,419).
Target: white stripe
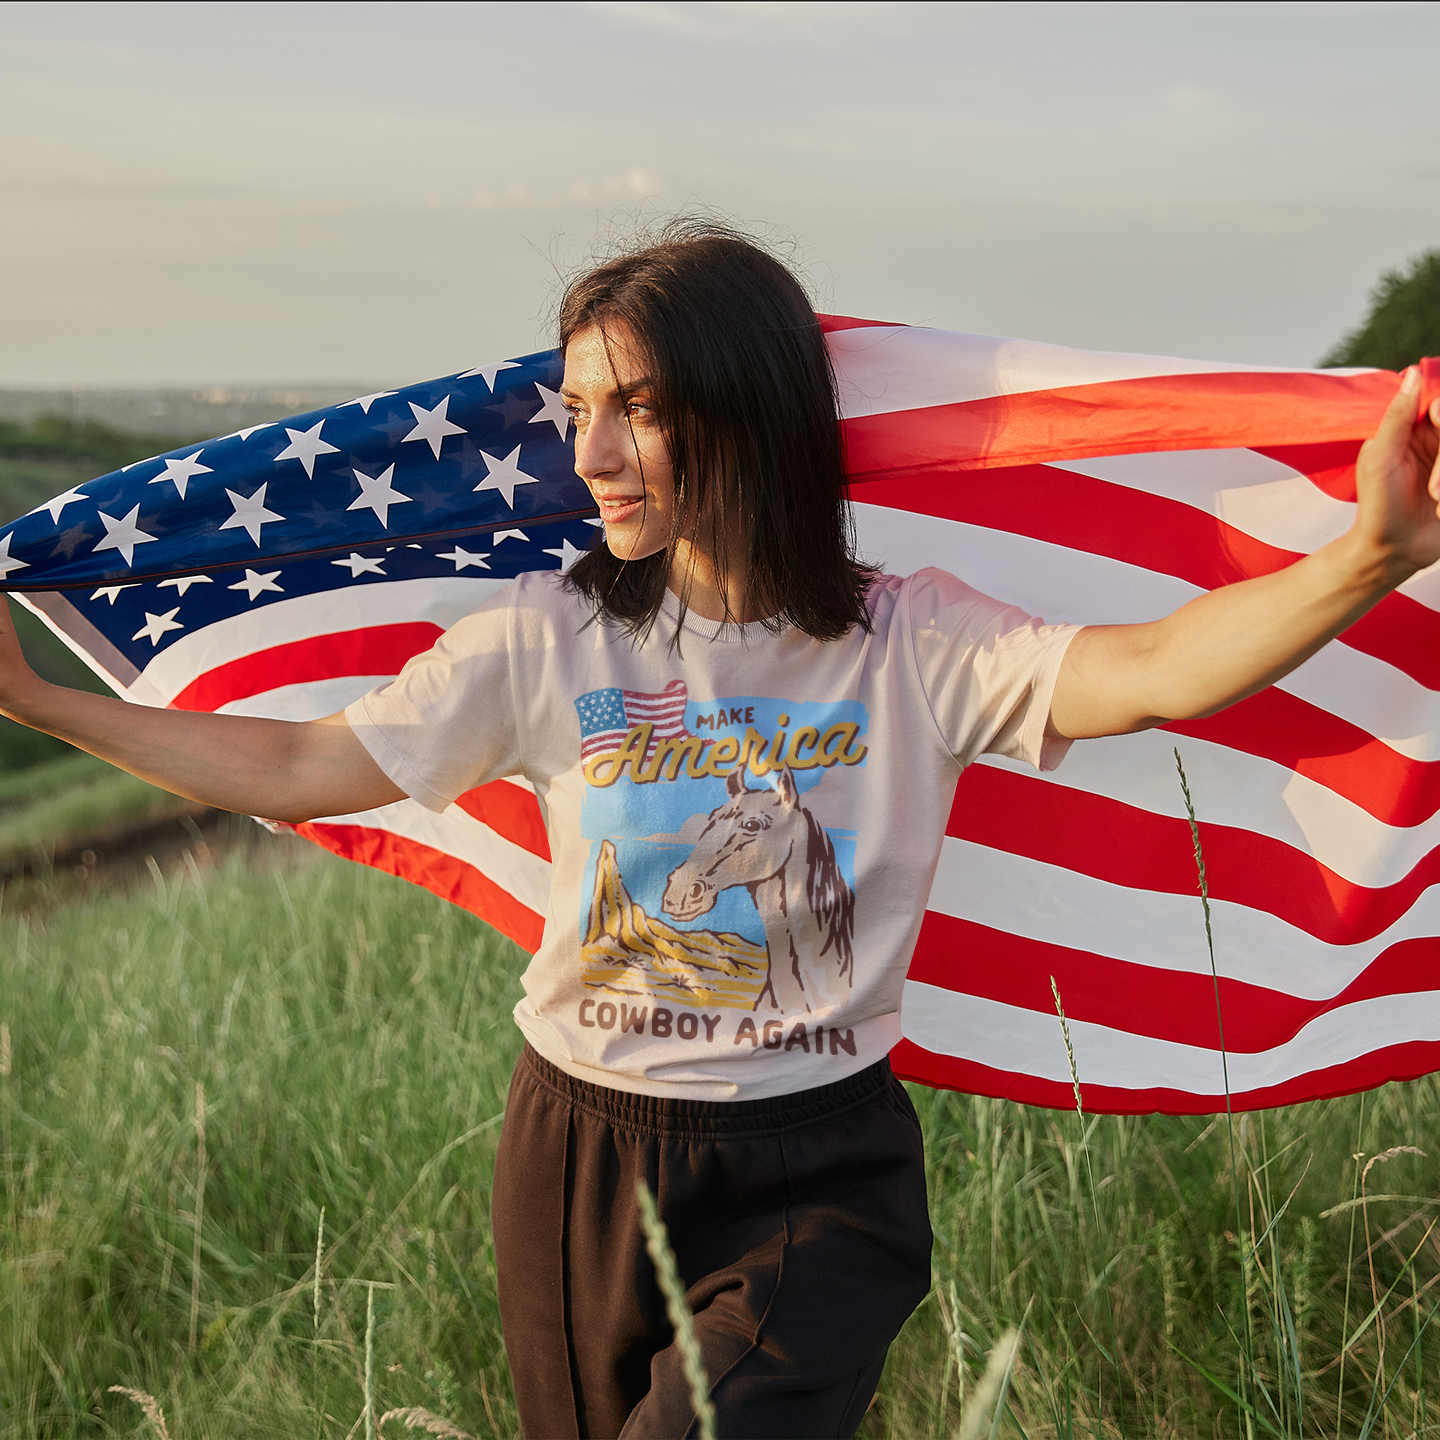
(439,600)
(1251,492)
(1073,585)
(1232,788)
(307,701)
(880,369)
(523,875)
(1018,895)
(1029,1042)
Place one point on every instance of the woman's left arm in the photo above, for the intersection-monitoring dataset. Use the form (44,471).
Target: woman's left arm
(1238,639)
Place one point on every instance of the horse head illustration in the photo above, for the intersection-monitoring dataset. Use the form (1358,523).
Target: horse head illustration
(767,841)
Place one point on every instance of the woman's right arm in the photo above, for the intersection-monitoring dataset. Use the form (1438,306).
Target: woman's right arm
(280,769)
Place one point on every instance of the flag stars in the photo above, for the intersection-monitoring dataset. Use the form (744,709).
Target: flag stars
(500,535)
(463,558)
(250,513)
(248,431)
(366,401)
(109,592)
(7,564)
(432,426)
(377,494)
(180,471)
(58,502)
(255,584)
(306,446)
(157,626)
(566,553)
(181,583)
(123,535)
(488,373)
(361,565)
(504,475)
(552,410)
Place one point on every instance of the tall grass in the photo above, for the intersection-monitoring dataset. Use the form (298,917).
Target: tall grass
(353,1040)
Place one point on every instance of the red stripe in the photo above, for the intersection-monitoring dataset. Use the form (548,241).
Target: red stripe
(1152,532)
(1279,726)
(434,870)
(829,323)
(1221,410)
(1173,1005)
(1124,845)
(947,1072)
(511,811)
(373,650)
(1330,467)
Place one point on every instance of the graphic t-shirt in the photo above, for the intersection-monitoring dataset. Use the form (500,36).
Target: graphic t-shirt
(744,826)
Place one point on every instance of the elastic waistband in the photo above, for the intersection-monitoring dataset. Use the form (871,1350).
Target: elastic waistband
(664,1115)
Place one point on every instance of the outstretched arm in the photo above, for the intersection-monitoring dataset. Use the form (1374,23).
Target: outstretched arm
(275,768)
(1237,640)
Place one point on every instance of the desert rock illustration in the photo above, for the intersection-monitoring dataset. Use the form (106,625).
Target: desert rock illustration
(627,952)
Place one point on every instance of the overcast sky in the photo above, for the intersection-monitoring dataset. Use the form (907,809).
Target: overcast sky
(233,192)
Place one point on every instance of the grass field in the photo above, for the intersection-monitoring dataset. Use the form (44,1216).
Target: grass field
(351,1038)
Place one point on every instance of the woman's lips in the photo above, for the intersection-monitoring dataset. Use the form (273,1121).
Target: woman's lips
(617,511)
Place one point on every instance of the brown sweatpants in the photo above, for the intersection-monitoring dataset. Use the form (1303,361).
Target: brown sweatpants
(799,1225)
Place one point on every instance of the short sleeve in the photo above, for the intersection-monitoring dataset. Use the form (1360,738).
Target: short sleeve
(447,722)
(988,670)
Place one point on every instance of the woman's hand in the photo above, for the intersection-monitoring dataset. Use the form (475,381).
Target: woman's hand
(1397,484)
(1240,638)
(16,676)
(276,768)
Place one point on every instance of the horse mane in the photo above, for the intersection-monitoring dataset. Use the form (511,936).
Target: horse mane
(832,900)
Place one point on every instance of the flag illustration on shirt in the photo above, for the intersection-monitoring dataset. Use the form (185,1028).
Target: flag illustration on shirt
(285,569)
(607,716)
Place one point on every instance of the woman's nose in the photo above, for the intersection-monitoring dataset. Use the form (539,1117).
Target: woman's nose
(599,450)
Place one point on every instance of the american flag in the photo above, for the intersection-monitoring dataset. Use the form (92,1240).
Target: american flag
(285,569)
(606,717)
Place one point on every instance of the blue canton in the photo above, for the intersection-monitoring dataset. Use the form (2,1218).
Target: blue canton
(487,450)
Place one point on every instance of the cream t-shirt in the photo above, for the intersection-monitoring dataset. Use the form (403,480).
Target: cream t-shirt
(744,826)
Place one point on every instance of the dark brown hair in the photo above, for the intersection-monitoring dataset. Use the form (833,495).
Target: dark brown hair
(745,400)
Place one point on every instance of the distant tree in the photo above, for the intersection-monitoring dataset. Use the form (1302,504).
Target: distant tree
(1404,320)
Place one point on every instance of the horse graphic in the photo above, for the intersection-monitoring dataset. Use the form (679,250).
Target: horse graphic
(767,841)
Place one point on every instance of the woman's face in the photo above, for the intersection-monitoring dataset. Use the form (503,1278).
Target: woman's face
(619,451)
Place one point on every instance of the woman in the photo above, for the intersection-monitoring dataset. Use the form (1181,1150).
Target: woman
(745,744)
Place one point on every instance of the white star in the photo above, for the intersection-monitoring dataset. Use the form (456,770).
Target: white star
(552,410)
(126,468)
(180,471)
(182,583)
(109,592)
(248,431)
(568,554)
(6,563)
(462,557)
(366,401)
(376,494)
(56,504)
(304,446)
(254,583)
(500,535)
(123,535)
(250,512)
(432,426)
(488,373)
(594,520)
(359,565)
(504,475)
(156,625)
